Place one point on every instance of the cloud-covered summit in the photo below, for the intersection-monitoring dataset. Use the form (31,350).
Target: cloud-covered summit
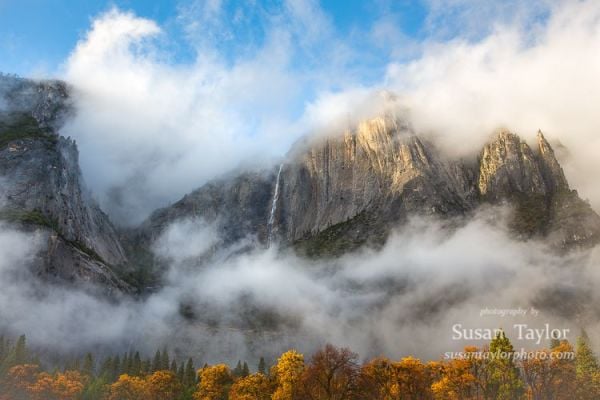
(151,129)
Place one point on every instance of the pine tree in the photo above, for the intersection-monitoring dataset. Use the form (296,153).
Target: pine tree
(156,363)
(21,356)
(190,374)
(237,371)
(125,365)
(262,366)
(245,369)
(96,389)
(35,360)
(77,365)
(181,372)
(106,368)
(2,349)
(505,382)
(136,366)
(586,369)
(146,367)
(116,368)
(174,367)
(88,365)
(164,361)
(130,363)
(587,363)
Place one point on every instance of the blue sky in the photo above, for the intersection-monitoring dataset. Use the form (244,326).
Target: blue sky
(36,36)
(173,94)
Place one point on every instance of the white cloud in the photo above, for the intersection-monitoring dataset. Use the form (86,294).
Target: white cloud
(186,240)
(462,91)
(400,300)
(154,131)
(149,131)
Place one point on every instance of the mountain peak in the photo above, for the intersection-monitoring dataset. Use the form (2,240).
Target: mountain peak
(550,167)
(508,166)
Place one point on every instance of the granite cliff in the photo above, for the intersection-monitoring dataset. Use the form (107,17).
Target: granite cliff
(330,195)
(337,193)
(42,189)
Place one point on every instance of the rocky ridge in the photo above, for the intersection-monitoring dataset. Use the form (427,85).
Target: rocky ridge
(329,196)
(42,189)
(339,193)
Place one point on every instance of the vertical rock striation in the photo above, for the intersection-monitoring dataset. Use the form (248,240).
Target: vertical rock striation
(337,193)
(42,188)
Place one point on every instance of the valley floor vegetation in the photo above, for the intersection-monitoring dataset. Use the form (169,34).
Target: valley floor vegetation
(330,374)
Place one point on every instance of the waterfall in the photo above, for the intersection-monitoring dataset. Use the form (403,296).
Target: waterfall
(271,221)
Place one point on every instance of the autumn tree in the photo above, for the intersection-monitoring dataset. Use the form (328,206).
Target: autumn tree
(129,388)
(288,372)
(214,383)
(251,387)
(331,375)
(163,385)
(18,380)
(457,381)
(551,373)
(61,386)
(564,380)
(414,379)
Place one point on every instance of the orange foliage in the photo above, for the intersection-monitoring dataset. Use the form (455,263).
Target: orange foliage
(25,381)
(331,375)
(252,387)
(288,372)
(214,383)
(129,388)
(163,385)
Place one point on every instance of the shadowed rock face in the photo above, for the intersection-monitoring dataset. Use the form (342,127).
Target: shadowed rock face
(42,189)
(338,193)
(509,166)
(335,193)
(380,166)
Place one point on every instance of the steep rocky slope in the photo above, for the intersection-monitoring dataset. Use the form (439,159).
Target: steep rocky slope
(42,190)
(330,195)
(338,193)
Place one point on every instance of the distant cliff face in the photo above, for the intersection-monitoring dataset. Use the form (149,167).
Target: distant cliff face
(381,167)
(329,196)
(534,182)
(338,193)
(509,166)
(42,189)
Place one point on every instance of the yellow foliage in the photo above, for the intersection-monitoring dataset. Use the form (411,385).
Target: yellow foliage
(214,383)
(289,369)
(252,387)
(25,381)
(129,388)
(163,385)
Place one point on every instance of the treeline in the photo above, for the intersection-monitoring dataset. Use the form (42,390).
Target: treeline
(493,372)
